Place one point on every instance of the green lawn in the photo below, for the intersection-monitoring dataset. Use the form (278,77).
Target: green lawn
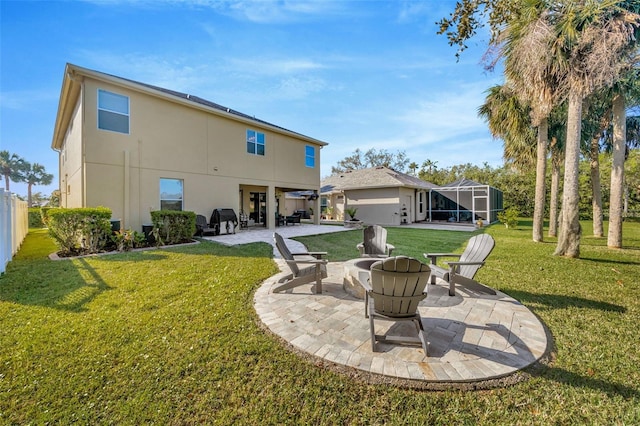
(170,337)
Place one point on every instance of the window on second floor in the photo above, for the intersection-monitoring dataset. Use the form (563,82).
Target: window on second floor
(309,156)
(255,142)
(113,112)
(171,191)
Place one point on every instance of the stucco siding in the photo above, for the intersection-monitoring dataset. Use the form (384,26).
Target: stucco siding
(70,160)
(375,205)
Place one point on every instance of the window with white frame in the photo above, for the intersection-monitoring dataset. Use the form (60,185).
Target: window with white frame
(113,112)
(255,142)
(171,192)
(309,156)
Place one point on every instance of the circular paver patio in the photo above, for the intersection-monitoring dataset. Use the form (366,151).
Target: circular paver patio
(472,337)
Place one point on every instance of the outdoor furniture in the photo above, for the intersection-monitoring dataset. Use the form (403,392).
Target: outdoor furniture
(314,267)
(244,221)
(226,216)
(374,242)
(293,219)
(280,220)
(393,293)
(462,271)
(202,227)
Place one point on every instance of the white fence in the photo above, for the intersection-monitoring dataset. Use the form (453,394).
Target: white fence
(14,225)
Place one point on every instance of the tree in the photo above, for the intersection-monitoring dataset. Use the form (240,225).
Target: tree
(35,174)
(623,134)
(371,158)
(574,48)
(12,168)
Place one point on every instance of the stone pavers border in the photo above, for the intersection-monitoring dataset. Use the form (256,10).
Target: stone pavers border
(476,341)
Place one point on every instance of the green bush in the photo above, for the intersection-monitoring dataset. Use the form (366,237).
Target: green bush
(35,218)
(509,217)
(44,214)
(128,239)
(173,227)
(80,231)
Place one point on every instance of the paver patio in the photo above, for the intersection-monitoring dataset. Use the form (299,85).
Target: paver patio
(472,337)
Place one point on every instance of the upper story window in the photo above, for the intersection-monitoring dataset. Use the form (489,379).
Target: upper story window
(255,142)
(309,156)
(171,191)
(113,112)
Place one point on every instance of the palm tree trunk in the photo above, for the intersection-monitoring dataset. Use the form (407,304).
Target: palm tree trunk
(29,202)
(570,232)
(541,175)
(554,196)
(614,238)
(6,182)
(596,202)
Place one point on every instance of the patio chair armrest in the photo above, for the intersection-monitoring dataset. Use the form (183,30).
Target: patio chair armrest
(390,248)
(309,261)
(435,256)
(464,263)
(318,254)
(360,248)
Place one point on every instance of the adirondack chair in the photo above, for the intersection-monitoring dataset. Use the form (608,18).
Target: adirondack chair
(393,293)
(374,242)
(314,267)
(462,271)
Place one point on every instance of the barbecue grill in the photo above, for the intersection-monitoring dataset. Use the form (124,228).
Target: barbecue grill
(226,216)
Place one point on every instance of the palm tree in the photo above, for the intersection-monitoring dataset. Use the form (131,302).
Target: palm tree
(631,87)
(35,174)
(529,68)
(12,168)
(590,41)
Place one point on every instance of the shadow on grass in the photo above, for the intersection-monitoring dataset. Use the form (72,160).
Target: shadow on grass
(576,380)
(557,301)
(67,286)
(615,262)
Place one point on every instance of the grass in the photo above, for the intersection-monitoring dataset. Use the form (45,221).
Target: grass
(169,337)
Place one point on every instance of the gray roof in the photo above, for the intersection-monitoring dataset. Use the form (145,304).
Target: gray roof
(375,177)
(190,98)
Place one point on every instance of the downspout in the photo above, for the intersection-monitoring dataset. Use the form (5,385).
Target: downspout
(125,205)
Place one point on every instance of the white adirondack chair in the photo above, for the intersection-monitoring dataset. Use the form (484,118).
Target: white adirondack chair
(462,271)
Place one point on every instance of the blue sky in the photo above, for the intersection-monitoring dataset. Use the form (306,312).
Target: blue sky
(355,74)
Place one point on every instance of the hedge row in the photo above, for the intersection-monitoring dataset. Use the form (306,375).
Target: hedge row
(88,230)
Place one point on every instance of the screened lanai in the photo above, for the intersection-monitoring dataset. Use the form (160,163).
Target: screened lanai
(465,201)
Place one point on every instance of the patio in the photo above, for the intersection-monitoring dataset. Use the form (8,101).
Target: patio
(475,340)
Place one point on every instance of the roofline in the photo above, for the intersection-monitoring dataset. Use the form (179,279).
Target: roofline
(73,72)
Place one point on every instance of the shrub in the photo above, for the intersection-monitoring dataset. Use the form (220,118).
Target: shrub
(173,227)
(351,211)
(80,231)
(128,239)
(509,217)
(44,214)
(35,218)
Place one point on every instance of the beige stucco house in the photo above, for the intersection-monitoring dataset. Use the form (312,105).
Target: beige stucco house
(135,148)
(382,196)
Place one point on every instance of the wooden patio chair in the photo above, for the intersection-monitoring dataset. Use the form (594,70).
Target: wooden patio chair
(374,242)
(314,267)
(393,293)
(462,271)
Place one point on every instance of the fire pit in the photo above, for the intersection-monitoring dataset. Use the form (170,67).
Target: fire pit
(356,271)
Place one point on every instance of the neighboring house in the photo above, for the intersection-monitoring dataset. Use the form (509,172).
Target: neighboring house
(135,148)
(382,196)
